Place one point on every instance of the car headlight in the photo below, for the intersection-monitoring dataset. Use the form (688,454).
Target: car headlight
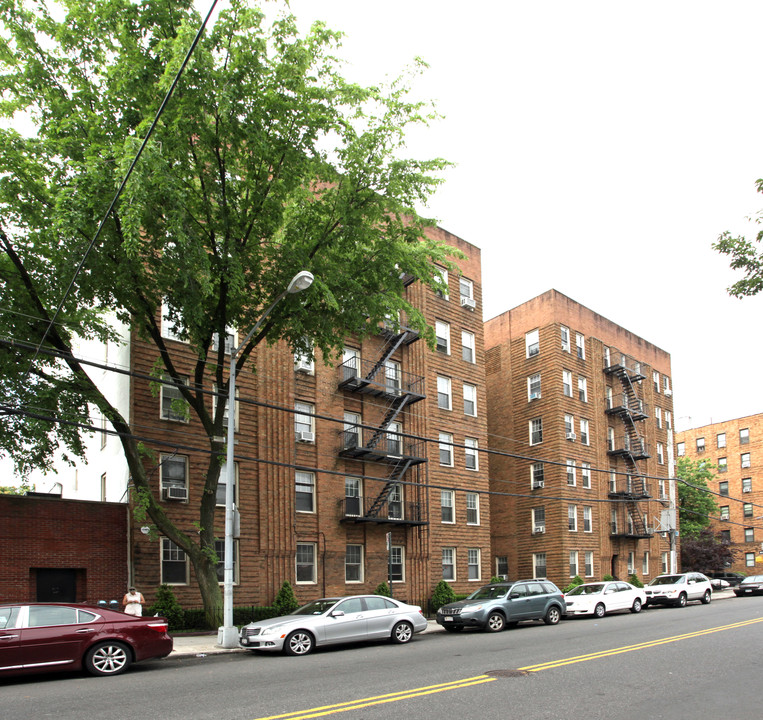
(272,630)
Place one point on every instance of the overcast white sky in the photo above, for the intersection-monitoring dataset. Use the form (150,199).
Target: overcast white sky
(601,147)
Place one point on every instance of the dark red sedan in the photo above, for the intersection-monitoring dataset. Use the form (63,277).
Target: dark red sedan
(45,637)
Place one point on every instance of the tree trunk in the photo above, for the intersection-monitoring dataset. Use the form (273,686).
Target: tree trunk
(209,587)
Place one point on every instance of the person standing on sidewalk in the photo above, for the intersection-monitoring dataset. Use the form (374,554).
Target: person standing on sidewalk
(133,602)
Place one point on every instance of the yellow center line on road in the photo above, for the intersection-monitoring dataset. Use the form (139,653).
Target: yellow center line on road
(380,699)
(639,646)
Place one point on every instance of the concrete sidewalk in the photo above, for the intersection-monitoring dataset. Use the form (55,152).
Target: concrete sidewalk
(206,643)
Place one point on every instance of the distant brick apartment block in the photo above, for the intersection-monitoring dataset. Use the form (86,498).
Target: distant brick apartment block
(735,448)
(580,411)
(332,458)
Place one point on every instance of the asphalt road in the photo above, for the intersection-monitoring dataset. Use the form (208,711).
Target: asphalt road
(697,662)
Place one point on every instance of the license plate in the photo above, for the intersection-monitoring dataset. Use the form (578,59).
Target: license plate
(448,619)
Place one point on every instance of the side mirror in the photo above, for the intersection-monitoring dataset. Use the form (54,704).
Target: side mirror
(337,613)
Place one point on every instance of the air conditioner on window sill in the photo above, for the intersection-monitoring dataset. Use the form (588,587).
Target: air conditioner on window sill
(303,366)
(468,302)
(534,395)
(668,393)
(176,493)
(571,436)
(538,484)
(305,437)
(746,489)
(724,519)
(539,530)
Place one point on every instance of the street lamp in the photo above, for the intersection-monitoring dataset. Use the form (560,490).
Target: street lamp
(227,635)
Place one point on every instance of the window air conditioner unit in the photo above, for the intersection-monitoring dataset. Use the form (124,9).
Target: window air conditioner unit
(303,366)
(572,436)
(534,395)
(668,393)
(724,519)
(538,484)
(503,577)
(746,489)
(468,302)
(539,529)
(176,493)
(305,437)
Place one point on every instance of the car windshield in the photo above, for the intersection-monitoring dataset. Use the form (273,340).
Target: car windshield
(490,592)
(668,580)
(752,579)
(316,607)
(586,590)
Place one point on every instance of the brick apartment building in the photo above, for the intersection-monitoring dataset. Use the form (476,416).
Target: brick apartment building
(332,458)
(735,448)
(581,414)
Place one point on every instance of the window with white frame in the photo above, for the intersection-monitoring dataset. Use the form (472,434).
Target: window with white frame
(585,436)
(441,278)
(613,525)
(392,377)
(306,563)
(607,362)
(660,453)
(582,389)
(745,458)
(537,475)
(723,465)
(666,384)
(661,488)
(573,563)
(471,454)
(565,333)
(304,483)
(444,397)
(749,559)
(749,534)
(174,476)
(724,512)
(664,566)
(304,428)
(681,449)
(569,426)
(395,503)
(352,433)
(468,347)
(470,400)
(720,440)
(304,360)
(533,387)
(747,510)
(466,289)
(532,343)
(571,473)
(447,502)
(446,449)
(656,380)
(173,406)
(502,565)
(645,563)
(394,438)
(397,563)
(539,565)
(449,563)
(746,485)
(174,569)
(572,518)
(472,508)
(473,563)
(222,482)
(536,431)
(587,519)
(353,496)
(744,436)
(171,326)
(539,519)
(668,420)
(610,438)
(567,383)
(700,444)
(442,337)
(217,398)
(220,567)
(658,416)
(631,562)
(588,563)
(350,363)
(353,563)
(580,345)
(230,341)
(585,475)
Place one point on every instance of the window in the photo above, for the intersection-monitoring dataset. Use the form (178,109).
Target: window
(441,280)
(565,332)
(613,521)
(394,438)
(305,560)
(661,489)
(304,429)
(532,344)
(448,563)
(749,559)
(631,562)
(468,347)
(681,449)
(174,564)
(744,436)
(660,454)
(726,536)
(585,473)
(720,440)
(569,427)
(656,380)
(471,456)
(352,435)
(645,563)
(536,475)
(666,385)
(305,490)
(103,487)
(446,506)
(446,449)
(353,564)
(584,433)
(350,363)
(443,393)
(723,488)
(392,377)
(472,509)
(607,361)
(723,465)
(217,398)
(174,476)
(747,510)
(303,359)
(466,290)
(173,406)
(533,387)
(668,420)
(749,534)
(572,518)
(397,563)
(539,519)
(580,345)
(746,485)
(658,417)
(172,328)
(589,563)
(353,496)
(501,565)
(220,568)
(536,431)
(470,400)
(582,389)
(395,503)
(442,336)
(230,341)
(567,383)
(539,565)
(664,567)
(610,438)
(745,460)
(587,519)
(612,480)
(724,512)
(700,445)
(473,563)
(222,482)
(571,479)
(573,563)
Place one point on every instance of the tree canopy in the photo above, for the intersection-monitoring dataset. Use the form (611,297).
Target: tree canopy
(264,162)
(704,552)
(695,502)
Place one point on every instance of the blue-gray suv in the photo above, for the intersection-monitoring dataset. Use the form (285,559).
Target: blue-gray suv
(498,605)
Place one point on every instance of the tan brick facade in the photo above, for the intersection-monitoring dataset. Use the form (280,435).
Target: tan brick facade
(735,447)
(594,504)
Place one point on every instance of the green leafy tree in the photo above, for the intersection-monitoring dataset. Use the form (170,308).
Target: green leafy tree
(442,595)
(265,162)
(577,580)
(706,552)
(285,602)
(695,502)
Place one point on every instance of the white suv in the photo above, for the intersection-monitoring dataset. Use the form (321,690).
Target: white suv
(678,589)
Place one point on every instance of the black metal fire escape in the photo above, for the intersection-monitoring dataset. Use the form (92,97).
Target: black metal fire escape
(630,446)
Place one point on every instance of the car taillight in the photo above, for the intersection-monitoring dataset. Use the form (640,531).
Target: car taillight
(160,627)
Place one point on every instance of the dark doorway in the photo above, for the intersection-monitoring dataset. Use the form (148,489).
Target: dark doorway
(614,567)
(56,585)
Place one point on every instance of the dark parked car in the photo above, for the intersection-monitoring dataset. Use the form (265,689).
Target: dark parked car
(752,585)
(45,637)
(732,578)
(495,606)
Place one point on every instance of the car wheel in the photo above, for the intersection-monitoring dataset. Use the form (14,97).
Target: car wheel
(453,628)
(299,642)
(402,633)
(108,658)
(707,597)
(495,622)
(681,600)
(552,616)
(600,611)
(636,607)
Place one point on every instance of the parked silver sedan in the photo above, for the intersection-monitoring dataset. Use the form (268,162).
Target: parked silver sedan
(354,618)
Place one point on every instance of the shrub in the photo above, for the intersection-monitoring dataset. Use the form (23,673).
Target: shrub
(496,579)
(577,580)
(633,580)
(285,602)
(383,589)
(607,578)
(442,595)
(167,606)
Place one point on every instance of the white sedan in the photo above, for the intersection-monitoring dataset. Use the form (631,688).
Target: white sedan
(602,597)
